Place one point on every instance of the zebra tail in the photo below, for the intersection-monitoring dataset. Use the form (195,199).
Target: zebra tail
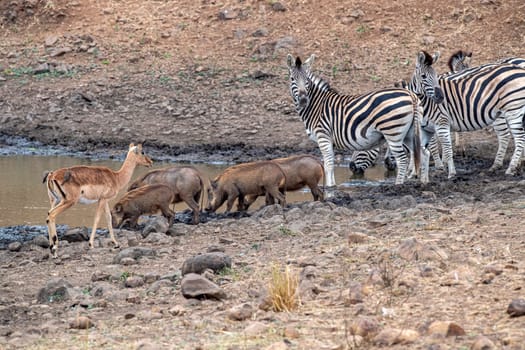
(417,138)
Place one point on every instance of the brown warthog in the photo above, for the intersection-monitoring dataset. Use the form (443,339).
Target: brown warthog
(255,178)
(144,200)
(187,183)
(300,171)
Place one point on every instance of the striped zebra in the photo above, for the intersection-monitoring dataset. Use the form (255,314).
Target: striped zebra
(361,122)
(474,98)
(459,62)
(362,160)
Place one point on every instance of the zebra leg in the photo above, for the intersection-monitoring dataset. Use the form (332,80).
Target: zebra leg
(443,132)
(425,160)
(434,149)
(515,123)
(399,154)
(327,150)
(502,132)
(390,161)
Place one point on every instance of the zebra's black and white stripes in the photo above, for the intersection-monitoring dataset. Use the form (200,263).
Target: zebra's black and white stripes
(360,122)
(474,98)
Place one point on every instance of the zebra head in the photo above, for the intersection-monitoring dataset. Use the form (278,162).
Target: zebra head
(299,80)
(459,61)
(425,80)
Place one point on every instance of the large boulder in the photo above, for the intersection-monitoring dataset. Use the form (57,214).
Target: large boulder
(215,261)
(196,286)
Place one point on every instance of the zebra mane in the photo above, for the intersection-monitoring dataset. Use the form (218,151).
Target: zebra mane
(321,83)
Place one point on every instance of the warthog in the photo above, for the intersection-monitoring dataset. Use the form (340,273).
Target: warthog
(187,183)
(144,200)
(238,181)
(300,171)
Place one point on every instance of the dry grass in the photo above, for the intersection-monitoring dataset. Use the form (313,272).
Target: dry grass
(284,289)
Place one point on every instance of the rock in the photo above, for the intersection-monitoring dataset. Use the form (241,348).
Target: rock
(278,7)
(196,286)
(155,224)
(215,261)
(291,332)
(516,308)
(255,329)
(134,282)
(14,246)
(158,237)
(81,322)
(51,40)
(365,327)
(154,288)
(261,32)
(445,329)
(309,272)
(268,211)
(356,238)
(41,69)
(177,230)
(76,235)
(355,293)
(100,276)
(482,343)
(392,336)
(41,241)
(59,51)
(134,253)
(227,14)
(55,290)
(240,312)
(128,261)
(412,249)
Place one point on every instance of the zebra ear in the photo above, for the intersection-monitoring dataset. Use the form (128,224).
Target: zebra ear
(309,62)
(436,56)
(289,61)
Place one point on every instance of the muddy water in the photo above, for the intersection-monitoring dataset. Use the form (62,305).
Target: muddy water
(24,201)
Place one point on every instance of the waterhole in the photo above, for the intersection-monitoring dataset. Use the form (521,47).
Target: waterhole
(24,200)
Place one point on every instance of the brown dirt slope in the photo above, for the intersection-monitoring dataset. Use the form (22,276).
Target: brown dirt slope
(186,74)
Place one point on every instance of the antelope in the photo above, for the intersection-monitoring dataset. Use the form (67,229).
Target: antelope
(86,185)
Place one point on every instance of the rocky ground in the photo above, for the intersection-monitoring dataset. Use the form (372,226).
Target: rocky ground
(406,267)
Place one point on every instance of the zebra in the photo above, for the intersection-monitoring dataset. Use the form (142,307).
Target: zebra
(362,160)
(474,98)
(459,62)
(358,122)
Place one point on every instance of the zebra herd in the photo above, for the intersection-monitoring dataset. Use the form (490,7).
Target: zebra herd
(416,117)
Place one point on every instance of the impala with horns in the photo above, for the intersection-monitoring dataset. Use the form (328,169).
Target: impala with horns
(89,184)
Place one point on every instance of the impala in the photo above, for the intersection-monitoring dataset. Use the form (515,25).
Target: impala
(89,184)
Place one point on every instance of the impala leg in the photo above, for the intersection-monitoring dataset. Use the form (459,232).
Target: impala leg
(100,208)
(109,222)
(51,225)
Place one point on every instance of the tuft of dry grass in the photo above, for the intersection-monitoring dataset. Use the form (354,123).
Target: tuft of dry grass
(284,289)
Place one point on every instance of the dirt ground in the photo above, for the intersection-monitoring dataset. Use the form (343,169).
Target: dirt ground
(205,81)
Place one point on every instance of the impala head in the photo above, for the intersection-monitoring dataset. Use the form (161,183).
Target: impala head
(425,80)
(137,154)
(459,61)
(299,80)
